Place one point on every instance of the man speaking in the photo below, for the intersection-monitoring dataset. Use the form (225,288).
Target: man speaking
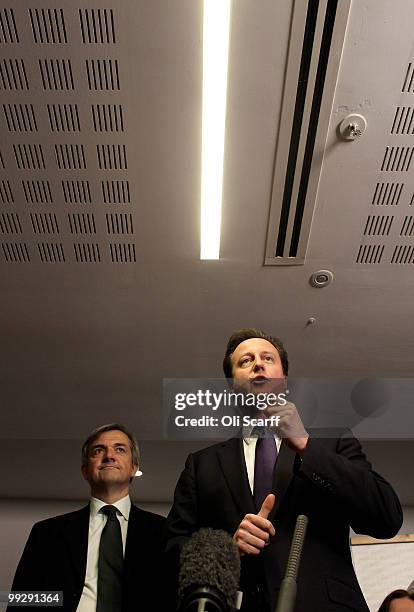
(254,487)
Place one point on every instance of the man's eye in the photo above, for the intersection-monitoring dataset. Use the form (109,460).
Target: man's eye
(269,358)
(245,361)
(120,450)
(96,451)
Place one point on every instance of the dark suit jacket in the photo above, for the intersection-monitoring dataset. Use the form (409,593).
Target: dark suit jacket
(333,485)
(55,555)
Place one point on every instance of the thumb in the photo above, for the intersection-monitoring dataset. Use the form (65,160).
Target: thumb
(267,506)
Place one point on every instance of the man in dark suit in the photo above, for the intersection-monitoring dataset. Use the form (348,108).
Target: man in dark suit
(107,556)
(328,479)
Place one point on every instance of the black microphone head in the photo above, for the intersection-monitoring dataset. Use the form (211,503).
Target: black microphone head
(210,559)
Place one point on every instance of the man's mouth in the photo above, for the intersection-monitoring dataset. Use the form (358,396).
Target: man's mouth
(259,380)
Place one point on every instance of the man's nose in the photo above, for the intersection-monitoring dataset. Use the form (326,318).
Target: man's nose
(258,363)
(109,455)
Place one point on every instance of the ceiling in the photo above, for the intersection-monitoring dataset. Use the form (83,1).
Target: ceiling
(102,291)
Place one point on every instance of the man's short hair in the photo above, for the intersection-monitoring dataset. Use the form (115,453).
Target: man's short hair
(94,435)
(398,594)
(240,336)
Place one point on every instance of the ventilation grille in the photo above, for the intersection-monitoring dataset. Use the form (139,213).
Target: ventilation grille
(316,40)
(370,253)
(63,117)
(20,117)
(15,252)
(82,223)
(102,74)
(1,161)
(70,157)
(387,194)
(397,159)
(409,79)
(8,30)
(37,192)
(76,192)
(116,192)
(51,252)
(13,74)
(44,223)
(97,25)
(87,252)
(6,194)
(112,157)
(403,120)
(48,26)
(407,228)
(10,223)
(122,253)
(403,254)
(119,223)
(56,74)
(378,225)
(29,157)
(107,118)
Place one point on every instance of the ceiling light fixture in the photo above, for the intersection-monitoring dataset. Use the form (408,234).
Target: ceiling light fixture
(216,35)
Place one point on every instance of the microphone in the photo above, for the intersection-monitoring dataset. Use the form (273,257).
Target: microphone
(209,573)
(288,588)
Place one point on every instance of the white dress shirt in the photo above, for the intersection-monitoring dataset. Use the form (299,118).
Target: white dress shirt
(249,447)
(97,521)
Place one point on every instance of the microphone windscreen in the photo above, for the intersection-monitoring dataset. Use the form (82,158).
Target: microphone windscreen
(210,558)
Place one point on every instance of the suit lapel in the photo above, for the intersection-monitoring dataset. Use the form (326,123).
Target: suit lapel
(233,465)
(136,533)
(75,533)
(282,475)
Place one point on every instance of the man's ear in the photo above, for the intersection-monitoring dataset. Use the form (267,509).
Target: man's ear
(84,470)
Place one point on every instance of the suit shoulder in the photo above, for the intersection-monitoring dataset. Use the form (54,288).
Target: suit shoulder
(59,520)
(157,520)
(213,448)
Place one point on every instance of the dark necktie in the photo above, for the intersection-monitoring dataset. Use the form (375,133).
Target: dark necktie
(110,564)
(264,463)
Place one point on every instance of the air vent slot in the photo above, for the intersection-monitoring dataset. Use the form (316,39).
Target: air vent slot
(387,194)
(37,192)
(48,26)
(70,157)
(1,161)
(122,252)
(63,117)
(51,252)
(119,223)
(403,120)
(116,192)
(76,192)
(86,252)
(15,252)
(8,30)
(397,159)
(29,157)
(112,157)
(317,36)
(107,118)
(10,223)
(97,25)
(20,117)
(56,74)
(409,79)
(13,75)
(407,228)
(103,74)
(370,253)
(44,223)
(403,254)
(82,223)
(378,225)
(6,194)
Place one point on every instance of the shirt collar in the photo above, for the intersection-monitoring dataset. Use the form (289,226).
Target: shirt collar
(247,434)
(122,505)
